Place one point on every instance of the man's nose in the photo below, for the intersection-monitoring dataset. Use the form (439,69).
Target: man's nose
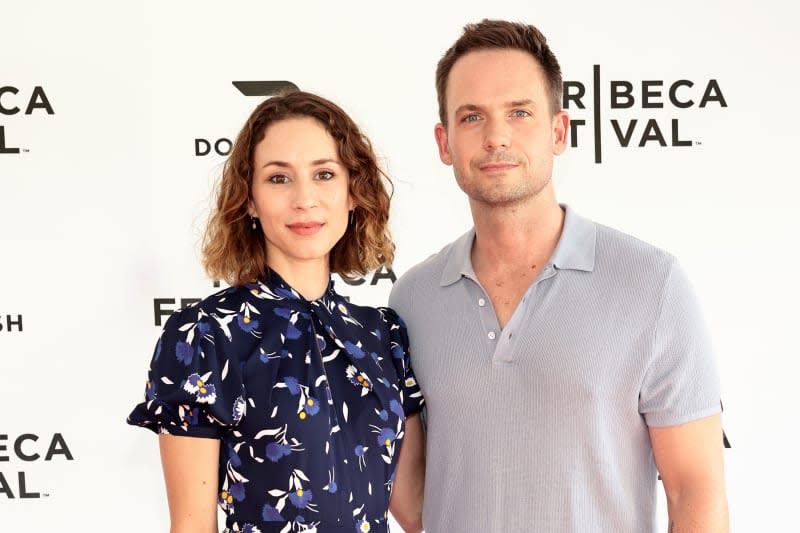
(498,135)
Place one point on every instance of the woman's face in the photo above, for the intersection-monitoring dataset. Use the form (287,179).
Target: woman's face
(299,193)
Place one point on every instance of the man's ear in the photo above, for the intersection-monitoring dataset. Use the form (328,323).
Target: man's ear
(560,132)
(442,142)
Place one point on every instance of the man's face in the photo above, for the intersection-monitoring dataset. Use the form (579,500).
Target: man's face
(501,134)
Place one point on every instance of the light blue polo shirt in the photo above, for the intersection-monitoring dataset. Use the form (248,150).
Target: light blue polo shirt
(543,426)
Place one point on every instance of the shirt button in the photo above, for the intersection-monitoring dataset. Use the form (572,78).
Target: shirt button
(481,302)
(491,335)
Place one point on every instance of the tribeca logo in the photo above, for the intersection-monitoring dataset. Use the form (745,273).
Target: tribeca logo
(647,94)
(10,102)
(164,307)
(11,323)
(223,145)
(26,448)
(382,273)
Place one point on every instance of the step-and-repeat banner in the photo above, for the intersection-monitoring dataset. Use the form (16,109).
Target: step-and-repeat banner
(115,119)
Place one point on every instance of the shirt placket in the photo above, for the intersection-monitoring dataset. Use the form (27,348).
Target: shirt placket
(504,353)
(500,341)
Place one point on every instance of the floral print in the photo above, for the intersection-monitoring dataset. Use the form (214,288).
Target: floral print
(204,393)
(308,398)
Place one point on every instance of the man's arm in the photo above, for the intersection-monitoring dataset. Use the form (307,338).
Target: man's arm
(689,459)
(409,479)
(190,472)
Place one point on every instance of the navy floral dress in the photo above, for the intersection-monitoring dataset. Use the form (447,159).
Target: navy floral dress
(308,399)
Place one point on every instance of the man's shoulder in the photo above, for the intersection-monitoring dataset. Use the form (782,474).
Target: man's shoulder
(428,270)
(623,246)
(425,270)
(423,279)
(632,260)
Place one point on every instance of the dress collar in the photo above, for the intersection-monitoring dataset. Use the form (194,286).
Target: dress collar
(353,339)
(277,288)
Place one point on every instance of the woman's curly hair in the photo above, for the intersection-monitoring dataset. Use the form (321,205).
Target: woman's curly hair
(236,253)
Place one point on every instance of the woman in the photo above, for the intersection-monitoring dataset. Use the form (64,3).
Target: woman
(277,398)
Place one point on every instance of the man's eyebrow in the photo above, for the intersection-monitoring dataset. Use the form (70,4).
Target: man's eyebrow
(513,103)
(523,102)
(467,107)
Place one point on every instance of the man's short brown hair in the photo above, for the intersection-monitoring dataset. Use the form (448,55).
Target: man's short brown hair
(498,34)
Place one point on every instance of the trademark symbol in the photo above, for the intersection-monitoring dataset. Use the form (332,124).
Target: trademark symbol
(697,143)
(45,495)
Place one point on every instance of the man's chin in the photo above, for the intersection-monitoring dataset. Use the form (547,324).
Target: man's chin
(500,198)
(504,195)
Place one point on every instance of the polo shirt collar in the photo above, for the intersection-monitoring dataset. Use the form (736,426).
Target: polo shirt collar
(576,246)
(459,260)
(575,249)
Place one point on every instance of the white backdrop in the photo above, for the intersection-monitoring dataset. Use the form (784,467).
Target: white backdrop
(102,208)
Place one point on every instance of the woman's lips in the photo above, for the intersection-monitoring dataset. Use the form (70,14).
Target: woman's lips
(305,228)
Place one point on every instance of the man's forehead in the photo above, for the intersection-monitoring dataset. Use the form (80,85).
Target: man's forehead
(499,57)
(510,62)
(495,77)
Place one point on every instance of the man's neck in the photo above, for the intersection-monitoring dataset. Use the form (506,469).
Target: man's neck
(516,236)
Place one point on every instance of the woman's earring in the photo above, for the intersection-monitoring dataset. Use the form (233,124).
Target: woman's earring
(352,216)
(254,221)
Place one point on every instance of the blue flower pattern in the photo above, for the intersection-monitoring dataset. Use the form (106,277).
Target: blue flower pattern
(309,399)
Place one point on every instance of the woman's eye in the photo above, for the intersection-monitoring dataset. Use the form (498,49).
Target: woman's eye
(325,175)
(278,178)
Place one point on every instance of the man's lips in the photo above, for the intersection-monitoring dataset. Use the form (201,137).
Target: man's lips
(496,167)
(305,228)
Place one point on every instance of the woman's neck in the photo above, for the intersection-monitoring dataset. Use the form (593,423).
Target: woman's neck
(309,278)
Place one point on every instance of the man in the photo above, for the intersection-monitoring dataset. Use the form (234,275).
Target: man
(564,364)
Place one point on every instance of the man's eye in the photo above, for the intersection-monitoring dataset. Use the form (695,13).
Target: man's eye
(472,117)
(521,113)
(325,175)
(278,178)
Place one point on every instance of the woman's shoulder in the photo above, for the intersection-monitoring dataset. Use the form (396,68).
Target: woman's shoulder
(227,301)
(230,296)
(367,313)
(383,322)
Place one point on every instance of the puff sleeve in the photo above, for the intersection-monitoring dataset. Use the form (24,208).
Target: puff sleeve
(410,393)
(194,388)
